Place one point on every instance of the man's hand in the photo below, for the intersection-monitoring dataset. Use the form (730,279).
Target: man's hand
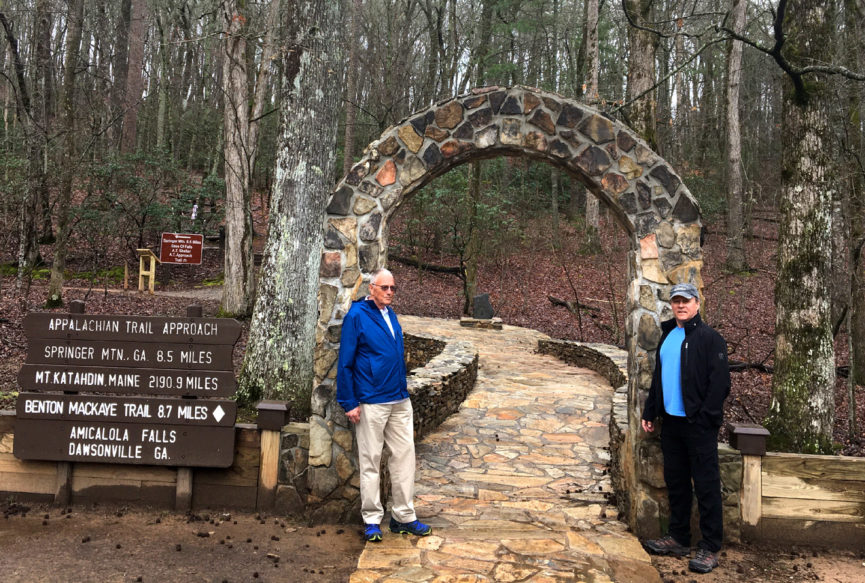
(354,414)
(648,426)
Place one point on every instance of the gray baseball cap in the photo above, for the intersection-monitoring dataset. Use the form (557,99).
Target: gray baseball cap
(685,290)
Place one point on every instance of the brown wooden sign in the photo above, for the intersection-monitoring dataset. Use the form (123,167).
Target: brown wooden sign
(130,354)
(150,410)
(132,328)
(126,443)
(142,381)
(127,356)
(181,248)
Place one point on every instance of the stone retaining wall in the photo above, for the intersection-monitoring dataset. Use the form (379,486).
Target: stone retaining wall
(441,376)
(641,464)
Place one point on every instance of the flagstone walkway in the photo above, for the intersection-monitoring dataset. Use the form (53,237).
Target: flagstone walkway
(516,483)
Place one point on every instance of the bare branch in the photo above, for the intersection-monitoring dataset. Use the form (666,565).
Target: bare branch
(668,75)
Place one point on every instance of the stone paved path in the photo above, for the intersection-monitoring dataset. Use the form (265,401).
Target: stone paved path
(516,483)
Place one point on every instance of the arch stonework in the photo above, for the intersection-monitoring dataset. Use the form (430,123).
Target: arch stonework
(646,195)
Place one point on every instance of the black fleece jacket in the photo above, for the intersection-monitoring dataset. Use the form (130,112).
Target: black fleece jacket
(705,374)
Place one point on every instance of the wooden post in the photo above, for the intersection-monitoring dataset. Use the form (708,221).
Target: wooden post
(752,489)
(271,418)
(63,488)
(750,440)
(183,492)
(268,471)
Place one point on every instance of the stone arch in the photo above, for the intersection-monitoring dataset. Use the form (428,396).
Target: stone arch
(646,195)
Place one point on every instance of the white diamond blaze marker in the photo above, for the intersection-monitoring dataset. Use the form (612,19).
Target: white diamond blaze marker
(218,413)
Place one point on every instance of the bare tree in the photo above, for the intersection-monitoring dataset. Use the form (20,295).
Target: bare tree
(279,355)
(736,260)
(68,163)
(642,43)
(241,147)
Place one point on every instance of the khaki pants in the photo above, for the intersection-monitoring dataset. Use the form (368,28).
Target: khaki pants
(391,426)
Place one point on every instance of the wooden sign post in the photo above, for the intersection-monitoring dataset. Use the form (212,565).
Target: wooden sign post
(128,390)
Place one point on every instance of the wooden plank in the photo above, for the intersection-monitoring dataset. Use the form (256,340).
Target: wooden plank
(27,477)
(244,471)
(814,466)
(807,533)
(131,328)
(813,488)
(751,502)
(9,463)
(823,510)
(139,473)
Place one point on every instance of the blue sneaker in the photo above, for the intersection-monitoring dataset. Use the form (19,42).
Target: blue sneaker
(416,527)
(372,533)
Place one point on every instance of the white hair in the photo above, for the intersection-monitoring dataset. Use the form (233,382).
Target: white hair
(378,273)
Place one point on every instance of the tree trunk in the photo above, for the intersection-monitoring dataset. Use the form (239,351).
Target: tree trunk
(162,82)
(683,102)
(279,355)
(555,186)
(802,411)
(641,71)
(470,254)
(736,260)
(241,148)
(29,110)
(121,74)
(135,77)
(68,163)
(593,223)
(855,15)
(351,86)
(237,292)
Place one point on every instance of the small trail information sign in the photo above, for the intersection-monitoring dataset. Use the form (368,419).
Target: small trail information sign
(181,248)
(185,362)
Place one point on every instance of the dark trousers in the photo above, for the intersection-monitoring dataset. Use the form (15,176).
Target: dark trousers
(691,455)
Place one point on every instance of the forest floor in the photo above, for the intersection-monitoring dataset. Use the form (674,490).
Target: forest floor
(44,544)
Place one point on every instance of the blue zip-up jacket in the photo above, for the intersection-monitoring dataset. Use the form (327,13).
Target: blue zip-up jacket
(371,365)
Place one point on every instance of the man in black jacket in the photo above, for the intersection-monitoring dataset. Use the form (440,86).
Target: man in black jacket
(689,385)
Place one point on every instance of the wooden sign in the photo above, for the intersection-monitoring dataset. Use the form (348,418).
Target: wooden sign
(125,443)
(149,410)
(130,354)
(97,379)
(127,356)
(132,328)
(181,248)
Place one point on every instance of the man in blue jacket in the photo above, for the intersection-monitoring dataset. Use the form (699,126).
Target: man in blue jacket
(371,387)
(689,385)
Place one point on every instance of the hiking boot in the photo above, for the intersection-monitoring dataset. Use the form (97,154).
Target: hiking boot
(666,545)
(415,527)
(372,533)
(704,561)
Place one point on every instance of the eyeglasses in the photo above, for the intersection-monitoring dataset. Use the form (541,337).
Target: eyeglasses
(385,287)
